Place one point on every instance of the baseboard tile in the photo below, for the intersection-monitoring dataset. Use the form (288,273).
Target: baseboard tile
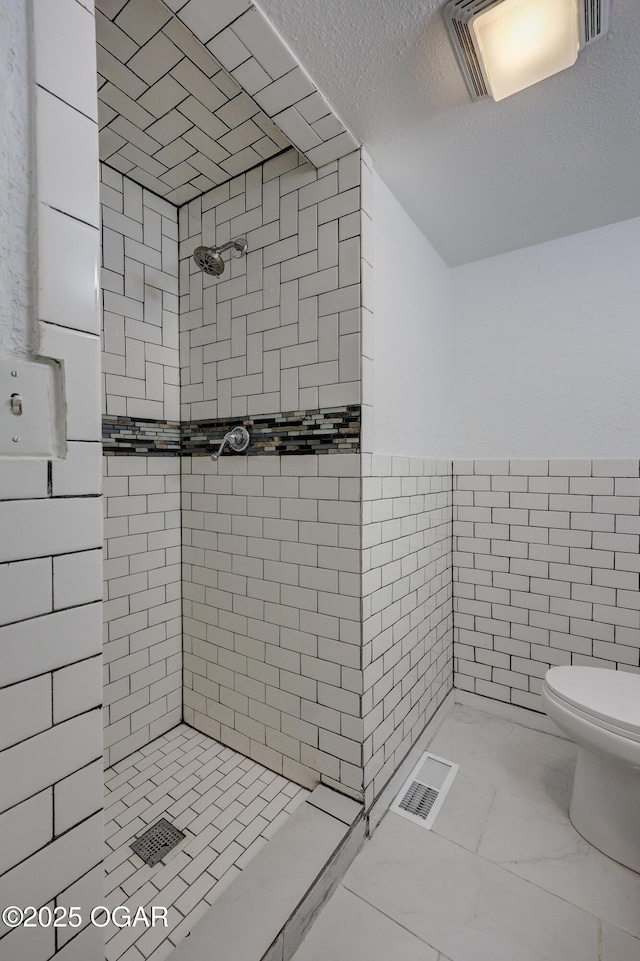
(508,712)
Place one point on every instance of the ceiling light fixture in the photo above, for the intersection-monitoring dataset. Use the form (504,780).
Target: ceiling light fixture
(504,46)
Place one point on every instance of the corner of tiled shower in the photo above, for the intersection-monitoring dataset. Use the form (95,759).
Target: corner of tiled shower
(254,640)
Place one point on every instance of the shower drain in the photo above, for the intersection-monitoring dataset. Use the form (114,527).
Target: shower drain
(157,841)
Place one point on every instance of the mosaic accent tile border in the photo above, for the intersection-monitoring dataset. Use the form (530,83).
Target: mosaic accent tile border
(332,430)
(139,435)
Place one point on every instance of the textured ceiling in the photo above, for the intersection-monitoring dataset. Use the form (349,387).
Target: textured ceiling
(477,178)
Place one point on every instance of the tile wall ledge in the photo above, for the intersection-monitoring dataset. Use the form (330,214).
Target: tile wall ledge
(266,912)
(140,435)
(328,430)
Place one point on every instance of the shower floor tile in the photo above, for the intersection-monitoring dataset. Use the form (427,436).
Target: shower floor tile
(227,805)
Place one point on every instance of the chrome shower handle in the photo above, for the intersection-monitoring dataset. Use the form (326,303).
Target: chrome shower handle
(237,439)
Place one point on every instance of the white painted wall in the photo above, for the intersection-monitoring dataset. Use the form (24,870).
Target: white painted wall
(15,281)
(547,349)
(412,336)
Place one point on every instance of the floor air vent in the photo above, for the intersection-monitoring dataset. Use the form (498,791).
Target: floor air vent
(425,789)
(155,843)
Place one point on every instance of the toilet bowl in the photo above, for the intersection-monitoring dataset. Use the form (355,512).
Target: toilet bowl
(599,709)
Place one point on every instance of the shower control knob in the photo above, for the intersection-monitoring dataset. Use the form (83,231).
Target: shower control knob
(237,439)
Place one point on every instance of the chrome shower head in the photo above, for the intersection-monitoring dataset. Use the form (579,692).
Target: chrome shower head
(209,259)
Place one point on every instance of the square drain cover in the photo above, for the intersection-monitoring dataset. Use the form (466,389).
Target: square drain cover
(160,838)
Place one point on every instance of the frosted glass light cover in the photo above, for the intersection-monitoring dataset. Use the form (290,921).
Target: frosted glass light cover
(524,41)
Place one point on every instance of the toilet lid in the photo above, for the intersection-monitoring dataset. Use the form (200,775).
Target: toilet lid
(612,696)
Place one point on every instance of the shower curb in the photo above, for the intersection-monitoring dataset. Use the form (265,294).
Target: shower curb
(266,912)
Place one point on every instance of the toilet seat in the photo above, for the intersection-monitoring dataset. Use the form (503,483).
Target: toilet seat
(609,699)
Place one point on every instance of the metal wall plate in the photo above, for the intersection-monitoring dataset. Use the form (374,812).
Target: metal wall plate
(30,393)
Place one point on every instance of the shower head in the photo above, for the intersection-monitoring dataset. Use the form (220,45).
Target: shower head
(209,259)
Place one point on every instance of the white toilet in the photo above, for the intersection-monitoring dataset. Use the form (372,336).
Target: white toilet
(599,709)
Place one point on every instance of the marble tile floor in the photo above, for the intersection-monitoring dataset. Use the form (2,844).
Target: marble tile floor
(227,805)
(503,875)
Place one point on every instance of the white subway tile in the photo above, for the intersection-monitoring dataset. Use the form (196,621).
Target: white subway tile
(70,857)
(25,828)
(77,578)
(65,52)
(25,710)
(66,181)
(68,257)
(25,590)
(46,758)
(39,527)
(77,689)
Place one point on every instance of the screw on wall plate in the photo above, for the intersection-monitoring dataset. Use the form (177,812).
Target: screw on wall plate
(15,440)
(14,373)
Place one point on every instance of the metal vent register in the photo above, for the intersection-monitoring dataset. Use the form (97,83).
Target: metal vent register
(155,843)
(425,789)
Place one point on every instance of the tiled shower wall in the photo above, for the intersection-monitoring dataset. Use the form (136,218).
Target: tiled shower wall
(139,279)
(142,610)
(271,543)
(547,567)
(280,329)
(142,648)
(272,610)
(407,606)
